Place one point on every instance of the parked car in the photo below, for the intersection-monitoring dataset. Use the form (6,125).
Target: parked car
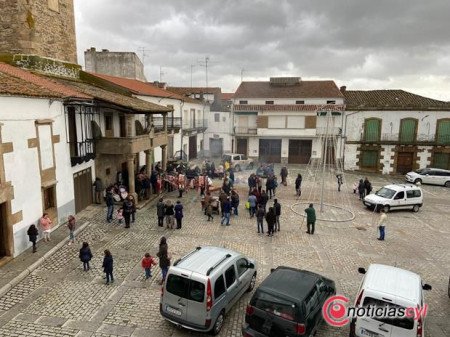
(201,287)
(395,196)
(387,286)
(287,303)
(238,161)
(431,176)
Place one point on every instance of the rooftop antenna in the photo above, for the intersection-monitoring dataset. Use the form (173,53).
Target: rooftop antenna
(242,74)
(192,67)
(205,64)
(161,73)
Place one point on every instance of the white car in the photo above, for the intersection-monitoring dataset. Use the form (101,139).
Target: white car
(395,196)
(431,176)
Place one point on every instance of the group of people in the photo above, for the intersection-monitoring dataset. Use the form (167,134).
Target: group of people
(166,210)
(364,187)
(126,212)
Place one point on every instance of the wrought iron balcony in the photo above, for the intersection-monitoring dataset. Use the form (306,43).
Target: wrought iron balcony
(173,123)
(81,152)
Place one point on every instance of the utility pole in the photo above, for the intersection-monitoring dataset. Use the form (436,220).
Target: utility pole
(324,155)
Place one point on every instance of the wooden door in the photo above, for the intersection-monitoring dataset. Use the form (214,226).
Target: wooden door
(299,151)
(82,182)
(270,150)
(405,162)
(242,146)
(3,231)
(192,147)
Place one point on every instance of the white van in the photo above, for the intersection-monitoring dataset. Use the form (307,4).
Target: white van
(432,176)
(201,287)
(395,196)
(387,286)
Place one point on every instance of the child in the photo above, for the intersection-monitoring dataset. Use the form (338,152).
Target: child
(85,256)
(209,210)
(71,226)
(46,224)
(33,234)
(147,263)
(119,215)
(108,266)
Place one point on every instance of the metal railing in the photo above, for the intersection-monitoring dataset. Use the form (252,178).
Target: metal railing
(172,123)
(195,124)
(81,151)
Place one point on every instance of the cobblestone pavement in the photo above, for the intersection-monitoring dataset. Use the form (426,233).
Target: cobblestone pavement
(59,299)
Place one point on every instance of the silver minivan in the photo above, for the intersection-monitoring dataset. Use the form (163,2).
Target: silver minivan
(432,176)
(201,287)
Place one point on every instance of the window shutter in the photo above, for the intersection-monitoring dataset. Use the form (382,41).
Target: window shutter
(443,132)
(408,130)
(262,122)
(441,160)
(310,122)
(369,159)
(372,130)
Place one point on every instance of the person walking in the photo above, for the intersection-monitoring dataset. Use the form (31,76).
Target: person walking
(270,186)
(164,258)
(209,211)
(277,209)
(235,202)
(222,198)
(251,182)
(33,233)
(160,212)
(169,213)
(98,188)
(46,225)
(298,185)
(206,201)
(179,213)
(108,266)
(284,174)
(382,225)
(226,212)
(361,189)
(367,186)
(270,219)
(310,219)
(133,214)
(71,224)
(109,205)
(128,209)
(252,200)
(85,256)
(260,214)
(147,263)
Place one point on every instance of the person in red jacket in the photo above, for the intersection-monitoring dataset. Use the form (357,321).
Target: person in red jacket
(147,263)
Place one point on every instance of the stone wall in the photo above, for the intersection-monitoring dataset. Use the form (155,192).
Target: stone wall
(40,27)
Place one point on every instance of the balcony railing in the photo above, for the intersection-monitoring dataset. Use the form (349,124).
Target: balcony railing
(242,130)
(130,145)
(195,124)
(81,151)
(172,123)
(395,138)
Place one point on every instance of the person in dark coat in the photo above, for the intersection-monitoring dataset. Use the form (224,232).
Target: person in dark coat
(270,219)
(361,189)
(160,212)
(263,199)
(270,186)
(222,198)
(128,209)
(85,256)
(108,266)
(235,202)
(298,185)
(284,174)
(367,186)
(178,213)
(251,182)
(310,219)
(109,205)
(226,212)
(169,214)
(260,213)
(277,209)
(164,258)
(33,233)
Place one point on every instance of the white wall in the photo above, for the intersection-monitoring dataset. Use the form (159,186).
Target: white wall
(289,101)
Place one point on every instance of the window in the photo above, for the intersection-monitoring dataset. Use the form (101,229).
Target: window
(369,159)
(216,118)
(331,102)
(408,127)
(274,305)
(230,276)
(413,194)
(311,301)
(108,122)
(237,157)
(219,287)
(385,193)
(443,131)
(277,122)
(242,266)
(243,102)
(299,102)
(399,195)
(295,122)
(269,102)
(224,119)
(49,198)
(185,288)
(405,323)
(372,129)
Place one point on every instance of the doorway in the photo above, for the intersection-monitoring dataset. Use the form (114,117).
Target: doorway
(241,146)
(270,150)
(405,162)
(192,147)
(4,244)
(299,151)
(82,182)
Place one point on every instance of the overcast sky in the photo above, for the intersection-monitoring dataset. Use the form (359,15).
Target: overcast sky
(363,44)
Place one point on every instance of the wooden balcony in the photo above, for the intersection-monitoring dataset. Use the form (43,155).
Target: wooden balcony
(130,145)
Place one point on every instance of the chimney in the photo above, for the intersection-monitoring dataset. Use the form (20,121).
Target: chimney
(343,89)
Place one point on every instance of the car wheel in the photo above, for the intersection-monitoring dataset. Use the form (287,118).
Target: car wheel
(447,184)
(251,286)
(418,181)
(218,324)
(386,208)
(416,208)
(237,168)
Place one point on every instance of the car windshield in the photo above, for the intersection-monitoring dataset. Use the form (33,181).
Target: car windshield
(226,158)
(385,193)
(401,322)
(185,288)
(274,305)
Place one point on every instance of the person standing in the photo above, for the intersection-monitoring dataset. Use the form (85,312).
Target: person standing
(46,225)
(164,258)
(160,212)
(206,201)
(277,209)
(270,219)
(169,209)
(251,182)
(179,213)
(284,174)
(108,266)
(33,233)
(235,202)
(361,189)
(71,224)
(128,209)
(133,214)
(181,184)
(147,263)
(98,188)
(298,185)
(109,205)
(339,181)
(252,200)
(226,212)
(222,198)
(231,177)
(263,199)
(270,185)
(310,219)
(382,225)
(367,186)
(260,213)
(85,255)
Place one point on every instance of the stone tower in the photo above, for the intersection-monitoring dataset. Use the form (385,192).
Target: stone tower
(45,28)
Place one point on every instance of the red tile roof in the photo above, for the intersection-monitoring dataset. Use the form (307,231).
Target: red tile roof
(390,100)
(18,82)
(226,96)
(304,89)
(288,107)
